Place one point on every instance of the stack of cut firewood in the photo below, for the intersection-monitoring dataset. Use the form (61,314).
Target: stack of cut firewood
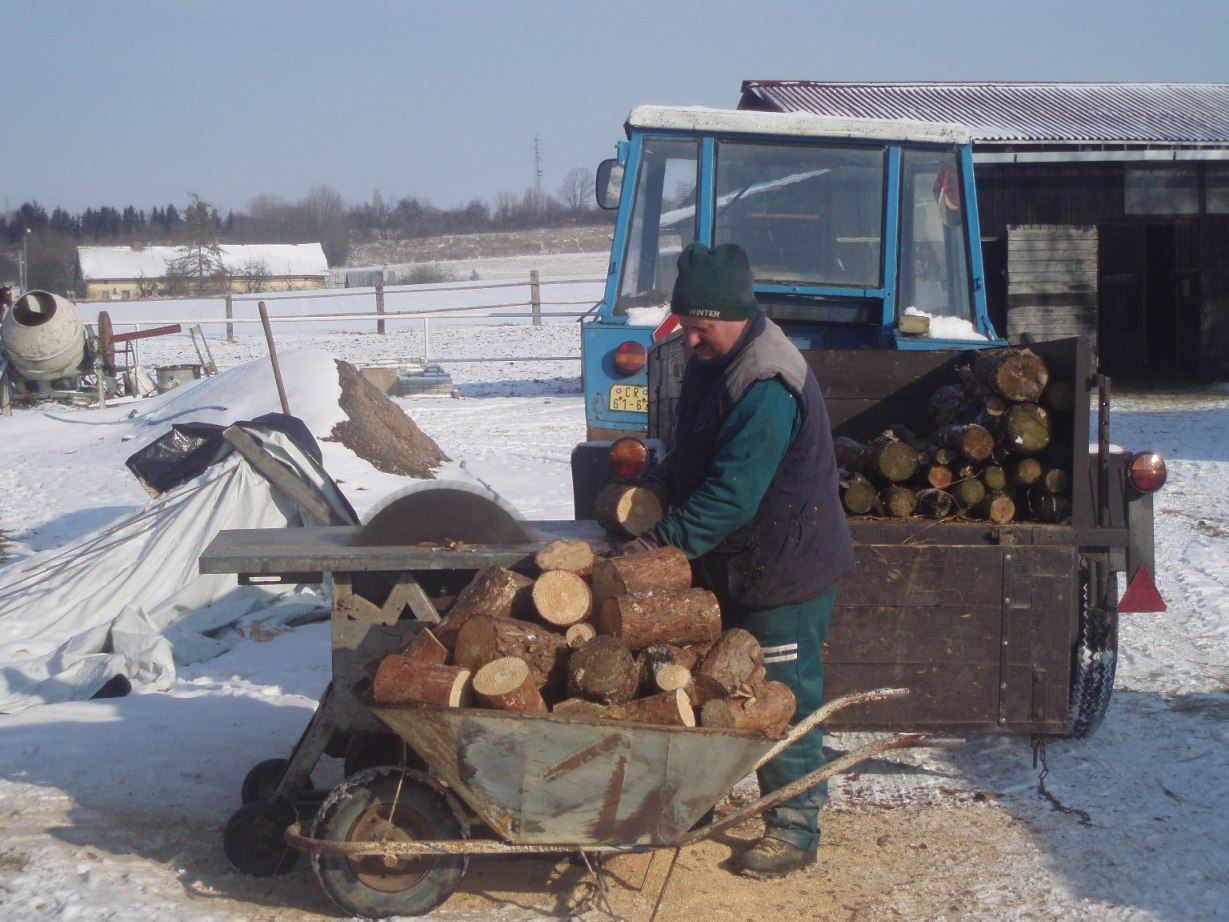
(988,451)
(625,637)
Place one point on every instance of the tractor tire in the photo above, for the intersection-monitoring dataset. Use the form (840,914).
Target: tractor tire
(1093,664)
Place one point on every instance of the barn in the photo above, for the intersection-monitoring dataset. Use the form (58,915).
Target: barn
(1104,207)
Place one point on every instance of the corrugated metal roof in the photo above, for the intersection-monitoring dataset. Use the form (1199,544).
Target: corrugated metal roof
(1034,113)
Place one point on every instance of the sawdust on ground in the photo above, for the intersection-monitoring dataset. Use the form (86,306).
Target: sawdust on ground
(379,431)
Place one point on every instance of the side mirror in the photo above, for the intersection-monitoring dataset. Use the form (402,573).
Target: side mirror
(609,184)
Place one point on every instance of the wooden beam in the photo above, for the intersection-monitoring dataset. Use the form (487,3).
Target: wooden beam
(274,472)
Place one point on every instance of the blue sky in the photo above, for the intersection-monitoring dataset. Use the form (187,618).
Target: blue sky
(145,102)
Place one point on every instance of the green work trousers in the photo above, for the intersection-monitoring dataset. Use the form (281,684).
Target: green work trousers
(792,637)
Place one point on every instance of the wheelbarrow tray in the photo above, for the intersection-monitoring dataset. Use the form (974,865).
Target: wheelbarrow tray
(547,779)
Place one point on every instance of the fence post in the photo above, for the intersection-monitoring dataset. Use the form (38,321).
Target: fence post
(230,315)
(380,309)
(535,298)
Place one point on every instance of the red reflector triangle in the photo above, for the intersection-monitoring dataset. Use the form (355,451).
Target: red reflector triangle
(666,327)
(1141,594)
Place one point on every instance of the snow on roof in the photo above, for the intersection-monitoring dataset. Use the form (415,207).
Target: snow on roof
(278,259)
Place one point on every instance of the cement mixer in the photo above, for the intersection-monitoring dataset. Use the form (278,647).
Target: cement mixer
(46,352)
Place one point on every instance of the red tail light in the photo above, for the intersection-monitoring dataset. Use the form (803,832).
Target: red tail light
(630,357)
(629,457)
(1147,471)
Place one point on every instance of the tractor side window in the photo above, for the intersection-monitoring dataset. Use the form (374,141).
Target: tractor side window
(663,222)
(934,259)
(805,214)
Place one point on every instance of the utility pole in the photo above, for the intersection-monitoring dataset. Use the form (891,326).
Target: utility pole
(25,261)
(537,173)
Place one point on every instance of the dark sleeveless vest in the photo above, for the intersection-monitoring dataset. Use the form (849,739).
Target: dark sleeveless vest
(797,545)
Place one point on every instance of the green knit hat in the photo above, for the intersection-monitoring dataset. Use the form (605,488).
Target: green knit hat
(714,283)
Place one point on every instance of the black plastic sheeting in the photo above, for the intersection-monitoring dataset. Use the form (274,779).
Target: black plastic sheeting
(189,449)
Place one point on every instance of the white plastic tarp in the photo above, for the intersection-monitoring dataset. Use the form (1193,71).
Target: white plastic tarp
(128,600)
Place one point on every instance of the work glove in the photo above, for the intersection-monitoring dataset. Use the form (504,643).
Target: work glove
(648,541)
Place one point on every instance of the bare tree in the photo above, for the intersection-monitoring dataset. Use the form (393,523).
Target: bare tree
(576,192)
(198,267)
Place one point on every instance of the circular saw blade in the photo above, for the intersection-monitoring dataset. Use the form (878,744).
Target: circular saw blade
(437,513)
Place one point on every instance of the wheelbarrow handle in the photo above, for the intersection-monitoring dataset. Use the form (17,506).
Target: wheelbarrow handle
(818,716)
(823,773)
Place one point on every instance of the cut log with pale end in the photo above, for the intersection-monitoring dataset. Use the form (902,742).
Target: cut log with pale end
(507,684)
(858,495)
(580,707)
(678,616)
(935,504)
(494,590)
(970,440)
(994,476)
(886,459)
(995,507)
(578,633)
(603,670)
(573,554)
(769,710)
(426,648)
(1026,428)
(968,491)
(562,598)
(486,638)
(626,510)
(900,501)
(735,661)
(1015,372)
(661,568)
(1025,472)
(403,681)
(665,667)
(668,708)
(936,476)
(1055,480)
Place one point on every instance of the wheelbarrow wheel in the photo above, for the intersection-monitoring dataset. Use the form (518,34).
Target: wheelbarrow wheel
(261,781)
(255,838)
(388,804)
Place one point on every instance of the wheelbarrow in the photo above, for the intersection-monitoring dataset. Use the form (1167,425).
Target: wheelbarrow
(392,840)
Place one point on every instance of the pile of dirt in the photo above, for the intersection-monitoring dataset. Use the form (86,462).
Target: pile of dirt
(379,432)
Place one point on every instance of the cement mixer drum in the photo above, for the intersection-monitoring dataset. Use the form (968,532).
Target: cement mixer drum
(43,336)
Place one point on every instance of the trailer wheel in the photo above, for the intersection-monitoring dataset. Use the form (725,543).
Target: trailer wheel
(1094,662)
(369,750)
(255,838)
(386,803)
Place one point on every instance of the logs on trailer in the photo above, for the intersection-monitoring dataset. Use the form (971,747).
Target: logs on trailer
(989,452)
(680,616)
(662,568)
(626,510)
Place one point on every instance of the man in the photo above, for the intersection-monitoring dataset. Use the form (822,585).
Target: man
(751,490)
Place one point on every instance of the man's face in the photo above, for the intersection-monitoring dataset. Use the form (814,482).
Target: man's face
(711,339)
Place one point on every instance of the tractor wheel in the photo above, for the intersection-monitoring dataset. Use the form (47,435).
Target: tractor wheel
(388,804)
(255,838)
(1094,661)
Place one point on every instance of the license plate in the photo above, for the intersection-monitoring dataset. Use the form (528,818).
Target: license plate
(630,398)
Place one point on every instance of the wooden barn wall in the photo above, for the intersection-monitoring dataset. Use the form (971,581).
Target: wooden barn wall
(1214,278)
(1052,281)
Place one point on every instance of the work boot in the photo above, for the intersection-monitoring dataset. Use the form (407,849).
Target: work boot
(773,857)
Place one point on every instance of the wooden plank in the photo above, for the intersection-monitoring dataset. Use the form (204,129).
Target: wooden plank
(961,577)
(899,634)
(273,471)
(946,699)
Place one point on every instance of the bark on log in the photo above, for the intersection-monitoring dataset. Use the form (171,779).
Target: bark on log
(768,711)
(735,661)
(426,648)
(603,670)
(886,459)
(494,590)
(669,708)
(572,554)
(1015,372)
(935,504)
(949,405)
(662,568)
(403,681)
(579,633)
(679,616)
(995,507)
(580,707)
(1026,428)
(970,440)
(486,638)
(507,684)
(562,598)
(626,510)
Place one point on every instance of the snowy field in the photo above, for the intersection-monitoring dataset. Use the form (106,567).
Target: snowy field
(113,809)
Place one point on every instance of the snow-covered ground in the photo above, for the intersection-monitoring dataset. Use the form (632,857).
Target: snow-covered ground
(113,809)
